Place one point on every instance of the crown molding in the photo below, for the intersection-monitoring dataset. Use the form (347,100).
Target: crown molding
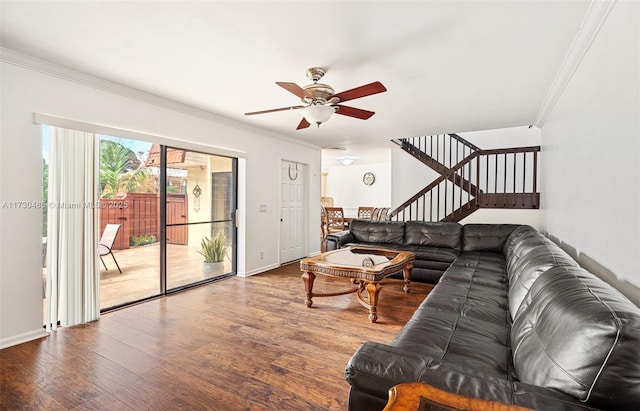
(66,73)
(595,17)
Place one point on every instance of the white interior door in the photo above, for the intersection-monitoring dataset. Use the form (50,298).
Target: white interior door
(292,211)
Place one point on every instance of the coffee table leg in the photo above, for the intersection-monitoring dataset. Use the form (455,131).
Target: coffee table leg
(308,278)
(373,291)
(406,273)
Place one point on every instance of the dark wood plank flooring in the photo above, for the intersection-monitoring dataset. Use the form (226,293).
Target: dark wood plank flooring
(236,344)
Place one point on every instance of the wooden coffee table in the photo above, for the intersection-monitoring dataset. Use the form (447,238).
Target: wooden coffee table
(348,263)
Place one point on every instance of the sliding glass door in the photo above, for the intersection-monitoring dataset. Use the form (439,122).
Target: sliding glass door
(166,218)
(165,202)
(200,217)
(129,221)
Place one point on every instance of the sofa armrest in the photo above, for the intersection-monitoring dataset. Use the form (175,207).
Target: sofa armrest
(338,240)
(470,382)
(375,368)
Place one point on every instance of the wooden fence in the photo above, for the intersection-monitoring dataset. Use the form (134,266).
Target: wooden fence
(138,214)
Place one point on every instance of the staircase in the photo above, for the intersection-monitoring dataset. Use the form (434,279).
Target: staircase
(470,179)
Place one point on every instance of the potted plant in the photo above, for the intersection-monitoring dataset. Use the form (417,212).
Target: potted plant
(214,250)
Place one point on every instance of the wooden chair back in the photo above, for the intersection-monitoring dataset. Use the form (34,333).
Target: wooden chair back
(323,222)
(380,214)
(335,219)
(365,212)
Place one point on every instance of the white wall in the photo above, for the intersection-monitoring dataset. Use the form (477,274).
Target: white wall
(410,176)
(591,153)
(25,91)
(344,184)
(504,137)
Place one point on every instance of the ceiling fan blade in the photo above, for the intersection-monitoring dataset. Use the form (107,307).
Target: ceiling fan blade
(354,112)
(295,89)
(274,110)
(303,124)
(362,91)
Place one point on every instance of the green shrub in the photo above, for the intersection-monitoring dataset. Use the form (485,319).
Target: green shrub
(142,240)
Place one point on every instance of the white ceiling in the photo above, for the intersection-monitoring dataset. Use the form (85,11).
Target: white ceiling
(449,66)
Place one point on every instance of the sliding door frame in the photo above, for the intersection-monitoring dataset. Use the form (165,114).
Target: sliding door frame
(164,142)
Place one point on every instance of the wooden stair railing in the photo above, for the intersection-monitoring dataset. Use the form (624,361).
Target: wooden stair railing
(443,151)
(499,178)
(440,153)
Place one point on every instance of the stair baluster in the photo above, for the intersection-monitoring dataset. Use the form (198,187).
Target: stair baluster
(472,183)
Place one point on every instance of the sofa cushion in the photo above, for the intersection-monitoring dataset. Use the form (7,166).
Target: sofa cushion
(577,334)
(465,381)
(434,234)
(369,245)
(478,268)
(533,257)
(462,324)
(446,255)
(486,237)
(515,241)
(388,232)
(423,275)
(441,266)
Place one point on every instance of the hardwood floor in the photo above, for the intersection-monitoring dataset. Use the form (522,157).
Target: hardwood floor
(235,344)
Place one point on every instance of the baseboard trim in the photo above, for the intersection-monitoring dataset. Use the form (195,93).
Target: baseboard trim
(258,270)
(22,338)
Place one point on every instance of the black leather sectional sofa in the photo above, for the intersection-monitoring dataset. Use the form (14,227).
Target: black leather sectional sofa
(512,319)
(436,245)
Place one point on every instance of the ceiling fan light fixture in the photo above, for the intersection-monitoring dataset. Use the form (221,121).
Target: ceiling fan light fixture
(317,113)
(346,160)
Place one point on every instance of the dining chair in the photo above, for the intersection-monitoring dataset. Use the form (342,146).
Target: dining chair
(380,214)
(323,226)
(335,219)
(365,212)
(384,213)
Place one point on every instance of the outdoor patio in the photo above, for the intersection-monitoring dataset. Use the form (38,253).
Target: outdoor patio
(140,276)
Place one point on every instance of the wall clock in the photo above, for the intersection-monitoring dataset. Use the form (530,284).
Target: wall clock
(368,178)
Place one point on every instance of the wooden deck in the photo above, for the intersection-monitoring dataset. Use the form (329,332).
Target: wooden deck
(235,344)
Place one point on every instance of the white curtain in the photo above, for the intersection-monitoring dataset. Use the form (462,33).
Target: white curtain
(73,286)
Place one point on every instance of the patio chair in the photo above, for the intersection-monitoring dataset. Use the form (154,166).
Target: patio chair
(106,243)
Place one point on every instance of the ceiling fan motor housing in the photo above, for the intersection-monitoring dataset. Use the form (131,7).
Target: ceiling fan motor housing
(320,92)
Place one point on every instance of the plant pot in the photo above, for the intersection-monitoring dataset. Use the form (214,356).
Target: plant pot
(213,269)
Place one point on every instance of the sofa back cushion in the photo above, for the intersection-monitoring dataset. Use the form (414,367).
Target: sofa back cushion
(515,241)
(486,237)
(366,231)
(527,258)
(577,334)
(433,234)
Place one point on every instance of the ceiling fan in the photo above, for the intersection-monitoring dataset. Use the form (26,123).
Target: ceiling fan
(321,101)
